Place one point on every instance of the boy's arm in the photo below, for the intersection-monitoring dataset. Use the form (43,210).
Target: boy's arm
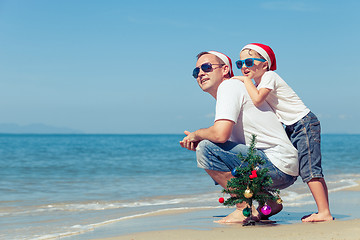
(220,132)
(258,96)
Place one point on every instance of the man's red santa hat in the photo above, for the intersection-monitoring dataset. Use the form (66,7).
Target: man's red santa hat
(225,59)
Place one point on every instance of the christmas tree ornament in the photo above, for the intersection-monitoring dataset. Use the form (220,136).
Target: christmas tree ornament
(253,174)
(234,173)
(246,212)
(266,210)
(221,200)
(248,193)
(279,201)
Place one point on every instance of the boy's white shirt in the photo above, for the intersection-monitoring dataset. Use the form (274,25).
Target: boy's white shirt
(287,105)
(233,103)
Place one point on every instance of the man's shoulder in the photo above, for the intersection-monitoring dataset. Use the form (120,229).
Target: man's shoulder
(232,88)
(233,83)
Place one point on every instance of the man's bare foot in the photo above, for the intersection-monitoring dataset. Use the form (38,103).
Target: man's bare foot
(317,217)
(238,217)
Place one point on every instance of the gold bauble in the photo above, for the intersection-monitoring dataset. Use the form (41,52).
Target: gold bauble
(248,193)
(279,201)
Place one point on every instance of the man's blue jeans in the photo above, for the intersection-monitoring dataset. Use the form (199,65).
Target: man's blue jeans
(224,157)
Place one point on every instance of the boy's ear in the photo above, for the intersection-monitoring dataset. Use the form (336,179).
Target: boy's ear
(266,66)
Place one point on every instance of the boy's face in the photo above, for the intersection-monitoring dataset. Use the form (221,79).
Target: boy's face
(255,72)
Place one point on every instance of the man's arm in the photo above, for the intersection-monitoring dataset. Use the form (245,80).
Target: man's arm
(220,132)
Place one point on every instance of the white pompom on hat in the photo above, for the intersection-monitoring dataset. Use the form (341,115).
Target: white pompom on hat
(264,51)
(225,59)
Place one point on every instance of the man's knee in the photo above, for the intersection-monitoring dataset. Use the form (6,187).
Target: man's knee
(203,145)
(202,154)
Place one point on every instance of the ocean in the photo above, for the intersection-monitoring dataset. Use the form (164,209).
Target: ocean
(54,186)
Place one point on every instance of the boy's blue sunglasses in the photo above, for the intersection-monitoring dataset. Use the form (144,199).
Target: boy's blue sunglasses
(206,67)
(249,62)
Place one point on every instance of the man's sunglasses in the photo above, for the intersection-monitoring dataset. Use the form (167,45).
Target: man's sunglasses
(249,62)
(206,67)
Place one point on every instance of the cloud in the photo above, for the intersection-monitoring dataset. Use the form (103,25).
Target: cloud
(157,21)
(210,115)
(343,117)
(288,6)
(330,116)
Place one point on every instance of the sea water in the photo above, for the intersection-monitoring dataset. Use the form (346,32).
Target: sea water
(53,186)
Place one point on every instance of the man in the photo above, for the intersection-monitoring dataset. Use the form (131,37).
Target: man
(236,120)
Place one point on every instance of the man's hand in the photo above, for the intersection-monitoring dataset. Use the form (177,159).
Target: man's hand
(191,141)
(220,132)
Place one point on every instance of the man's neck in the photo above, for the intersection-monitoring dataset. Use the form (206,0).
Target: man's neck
(215,92)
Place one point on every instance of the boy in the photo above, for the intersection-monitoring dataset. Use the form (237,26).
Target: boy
(258,62)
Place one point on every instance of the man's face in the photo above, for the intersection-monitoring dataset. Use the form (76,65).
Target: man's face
(210,81)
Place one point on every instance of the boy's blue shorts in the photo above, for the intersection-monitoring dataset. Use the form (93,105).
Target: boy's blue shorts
(305,136)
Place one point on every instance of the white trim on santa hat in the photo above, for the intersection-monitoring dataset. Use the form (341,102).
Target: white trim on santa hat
(224,58)
(260,50)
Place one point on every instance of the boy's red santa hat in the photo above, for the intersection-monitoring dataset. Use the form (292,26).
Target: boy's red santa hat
(225,59)
(264,51)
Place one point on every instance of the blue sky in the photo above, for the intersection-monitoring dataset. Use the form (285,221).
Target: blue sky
(125,66)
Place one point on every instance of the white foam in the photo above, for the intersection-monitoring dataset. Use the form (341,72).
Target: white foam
(297,196)
(289,197)
(81,229)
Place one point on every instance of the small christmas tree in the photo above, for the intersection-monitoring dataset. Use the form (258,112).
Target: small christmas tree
(251,183)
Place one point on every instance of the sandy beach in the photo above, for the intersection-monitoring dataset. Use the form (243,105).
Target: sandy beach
(349,230)
(198,224)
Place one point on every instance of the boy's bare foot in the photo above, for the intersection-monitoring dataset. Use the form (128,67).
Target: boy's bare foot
(317,217)
(238,217)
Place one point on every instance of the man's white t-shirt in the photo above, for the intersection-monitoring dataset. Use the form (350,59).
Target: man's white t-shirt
(286,104)
(233,103)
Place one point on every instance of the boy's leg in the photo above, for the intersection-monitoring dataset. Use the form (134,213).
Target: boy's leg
(305,136)
(319,191)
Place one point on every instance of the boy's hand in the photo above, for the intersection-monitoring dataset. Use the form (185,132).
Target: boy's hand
(241,78)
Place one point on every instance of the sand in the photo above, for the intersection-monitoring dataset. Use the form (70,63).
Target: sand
(349,230)
(199,225)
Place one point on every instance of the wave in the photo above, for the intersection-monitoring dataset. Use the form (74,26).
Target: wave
(290,196)
(108,205)
(81,229)
(291,199)
(297,195)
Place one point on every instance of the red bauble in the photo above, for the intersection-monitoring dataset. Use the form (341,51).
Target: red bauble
(221,200)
